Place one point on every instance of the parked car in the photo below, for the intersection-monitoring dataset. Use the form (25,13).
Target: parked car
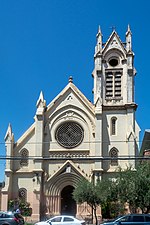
(62,220)
(130,219)
(11,218)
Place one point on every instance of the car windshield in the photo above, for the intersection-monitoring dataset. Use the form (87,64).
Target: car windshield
(115,219)
(122,218)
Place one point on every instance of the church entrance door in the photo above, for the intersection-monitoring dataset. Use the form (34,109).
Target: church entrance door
(68,204)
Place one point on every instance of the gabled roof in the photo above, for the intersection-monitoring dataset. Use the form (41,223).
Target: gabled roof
(67,174)
(67,167)
(114,41)
(77,92)
(74,89)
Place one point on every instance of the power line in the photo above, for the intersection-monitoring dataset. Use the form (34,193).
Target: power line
(55,142)
(79,157)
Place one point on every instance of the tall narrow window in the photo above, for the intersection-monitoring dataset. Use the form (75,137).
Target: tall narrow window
(109,85)
(22,194)
(117,85)
(113,125)
(113,84)
(24,157)
(114,157)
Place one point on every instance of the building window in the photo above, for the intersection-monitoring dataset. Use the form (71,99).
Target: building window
(24,157)
(22,194)
(114,157)
(69,134)
(113,126)
(113,62)
(113,84)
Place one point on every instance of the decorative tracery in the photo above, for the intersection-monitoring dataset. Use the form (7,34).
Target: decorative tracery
(22,194)
(24,157)
(114,157)
(69,134)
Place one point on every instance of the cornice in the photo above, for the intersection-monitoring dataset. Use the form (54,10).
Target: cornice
(119,107)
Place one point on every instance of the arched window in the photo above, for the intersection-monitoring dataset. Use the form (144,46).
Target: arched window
(24,157)
(22,193)
(113,83)
(114,157)
(113,125)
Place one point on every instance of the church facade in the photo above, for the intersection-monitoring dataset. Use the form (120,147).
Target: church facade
(73,138)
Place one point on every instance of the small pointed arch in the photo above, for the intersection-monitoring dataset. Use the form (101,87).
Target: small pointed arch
(114,156)
(24,157)
(22,194)
(113,123)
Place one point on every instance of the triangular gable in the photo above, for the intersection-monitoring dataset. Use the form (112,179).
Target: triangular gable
(114,41)
(131,133)
(98,102)
(67,167)
(77,92)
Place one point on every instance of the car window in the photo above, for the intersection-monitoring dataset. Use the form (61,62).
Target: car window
(68,219)
(147,218)
(57,219)
(8,215)
(124,219)
(138,218)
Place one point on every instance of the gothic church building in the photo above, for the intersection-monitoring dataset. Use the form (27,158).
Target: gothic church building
(71,137)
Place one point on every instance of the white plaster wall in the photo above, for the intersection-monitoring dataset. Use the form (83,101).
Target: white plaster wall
(119,140)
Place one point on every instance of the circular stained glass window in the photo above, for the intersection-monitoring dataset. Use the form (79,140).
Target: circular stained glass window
(69,134)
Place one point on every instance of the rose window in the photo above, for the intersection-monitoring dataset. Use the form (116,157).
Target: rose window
(69,134)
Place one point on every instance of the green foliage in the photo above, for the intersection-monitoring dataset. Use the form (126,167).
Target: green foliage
(24,206)
(94,194)
(130,185)
(87,192)
(133,186)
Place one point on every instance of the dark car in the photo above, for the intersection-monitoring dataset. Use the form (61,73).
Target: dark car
(11,218)
(130,219)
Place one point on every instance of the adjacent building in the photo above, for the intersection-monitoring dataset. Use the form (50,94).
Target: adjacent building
(72,137)
(145,147)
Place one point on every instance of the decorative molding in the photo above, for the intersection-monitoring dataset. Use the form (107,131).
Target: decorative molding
(66,154)
(69,115)
(69,97)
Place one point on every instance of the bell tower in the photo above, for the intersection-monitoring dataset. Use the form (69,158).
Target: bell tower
(113,91)
(114,70)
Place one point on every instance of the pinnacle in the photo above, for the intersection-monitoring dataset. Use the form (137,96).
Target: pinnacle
(99,31)
(70,79)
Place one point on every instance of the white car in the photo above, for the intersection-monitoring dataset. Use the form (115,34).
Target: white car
(62,220)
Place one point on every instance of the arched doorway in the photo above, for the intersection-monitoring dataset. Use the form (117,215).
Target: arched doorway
(68,204)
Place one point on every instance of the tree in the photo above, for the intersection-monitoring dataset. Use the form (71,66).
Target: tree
(129,186)
(23,206)
(142,186)
(133,186)
(88,192)
(109,202)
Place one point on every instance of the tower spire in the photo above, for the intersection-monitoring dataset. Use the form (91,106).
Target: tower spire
(128,39)
(99,35)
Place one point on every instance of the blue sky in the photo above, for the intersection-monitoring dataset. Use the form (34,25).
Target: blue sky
(43,42)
